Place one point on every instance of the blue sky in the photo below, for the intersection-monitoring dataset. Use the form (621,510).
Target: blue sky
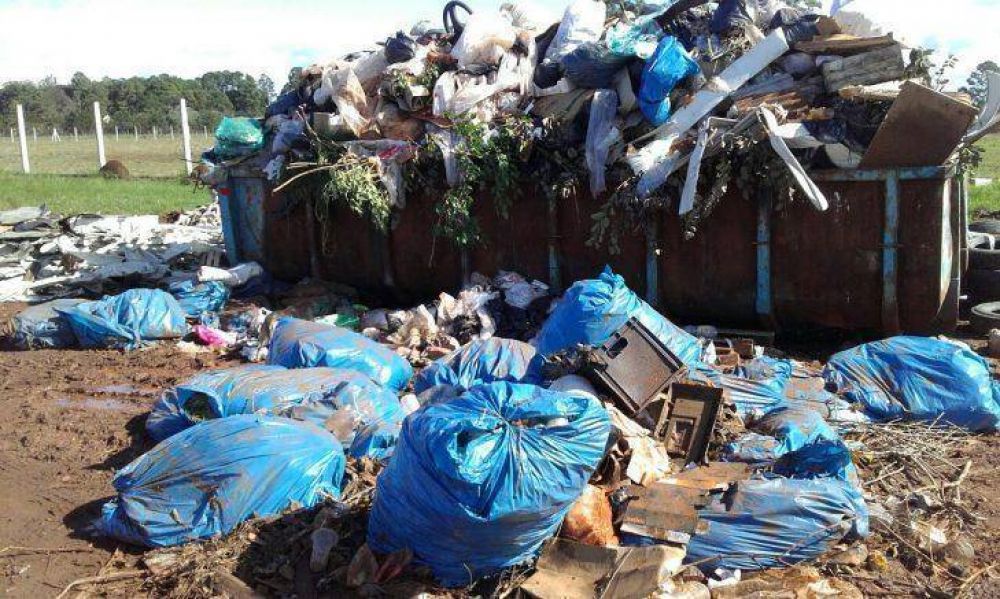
(119,38)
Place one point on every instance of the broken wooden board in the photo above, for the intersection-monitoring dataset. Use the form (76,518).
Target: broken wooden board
(664,512)
(885,64)
(717,476)
(844,45)
(570,570)
(923,128)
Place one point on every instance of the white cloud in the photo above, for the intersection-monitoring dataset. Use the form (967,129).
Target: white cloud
(119,38)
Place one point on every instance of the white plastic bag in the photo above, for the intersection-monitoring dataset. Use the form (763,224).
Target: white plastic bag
(527,15)
(484,40)
(601,135)
(582,22)
(342,86)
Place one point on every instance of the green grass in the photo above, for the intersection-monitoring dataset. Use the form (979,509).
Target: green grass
(986,198)
(144,157)
(72,195)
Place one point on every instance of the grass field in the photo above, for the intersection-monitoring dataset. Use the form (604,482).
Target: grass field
(986,198)
(145,157)
(72,195)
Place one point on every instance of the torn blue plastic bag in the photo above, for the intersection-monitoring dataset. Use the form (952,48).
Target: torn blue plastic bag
(774,523)
(360,414)
(208,479)
(299,343)
(198,298)
(43,327)
(483,361)
(479,481)
(665,69)
(593,309)
(127,320)
(918,378)
(748,395)
(799,441)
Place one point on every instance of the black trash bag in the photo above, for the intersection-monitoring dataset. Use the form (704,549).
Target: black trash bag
(548,74)
(731,13)
(798,27)
(593,66)
(400,48)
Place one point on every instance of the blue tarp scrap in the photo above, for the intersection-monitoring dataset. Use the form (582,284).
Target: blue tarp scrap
(211,477)
(773,523)
(483,361)
(299,343)
(361,415)
(199,298)
(918,378)
(592,310)
(127,320)
(42,326)
(479,481)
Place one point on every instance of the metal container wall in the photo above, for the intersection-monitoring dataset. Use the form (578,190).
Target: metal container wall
(881,259)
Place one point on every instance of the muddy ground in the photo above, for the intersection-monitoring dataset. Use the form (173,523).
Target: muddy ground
(69,419)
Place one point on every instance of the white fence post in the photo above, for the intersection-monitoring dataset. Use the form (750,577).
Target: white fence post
(34,133)
(116,132)
(76,134)
(99,128)
(205,129)
(136,129)
(154,131)
(171,131)
(25,165)
(186,135)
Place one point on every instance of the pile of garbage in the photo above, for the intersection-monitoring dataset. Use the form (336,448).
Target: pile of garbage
(654,104)
(45,256)
(606,452)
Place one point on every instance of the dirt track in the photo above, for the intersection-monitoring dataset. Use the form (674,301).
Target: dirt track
(69,419)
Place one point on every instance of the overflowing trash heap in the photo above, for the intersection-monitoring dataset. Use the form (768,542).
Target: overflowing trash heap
(649,105)
(501,439)
(596,449)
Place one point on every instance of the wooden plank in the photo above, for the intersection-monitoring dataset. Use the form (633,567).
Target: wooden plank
(877,66)
(923,128)
(844,45)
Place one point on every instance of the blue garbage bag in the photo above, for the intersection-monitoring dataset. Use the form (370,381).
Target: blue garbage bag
(593,309)
(345,402)
(303,344)
(805,443)
(772,523)
(208,479)
(479,481)
(483,361)
(667,67)
(127,320)
(919,378)
(748,395)
(199,298)
(42,326)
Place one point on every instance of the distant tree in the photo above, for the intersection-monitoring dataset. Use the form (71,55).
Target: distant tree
(975,86)
(294,78)
(266,85)
(246,97)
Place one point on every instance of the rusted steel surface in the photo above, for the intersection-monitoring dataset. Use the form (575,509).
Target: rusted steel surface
(825,268)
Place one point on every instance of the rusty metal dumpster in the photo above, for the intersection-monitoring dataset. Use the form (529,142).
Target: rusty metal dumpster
(883,259)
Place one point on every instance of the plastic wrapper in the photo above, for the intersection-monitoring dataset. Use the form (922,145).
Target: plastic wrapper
(210,478)
(668,66)
(918,378)
(483,361)
(485,39)
(582,22)
(302,344)
(775,523)
(238,136)
(593,309)
(43,327)
(127,320)
(342,86)
(479,481)
(601,135)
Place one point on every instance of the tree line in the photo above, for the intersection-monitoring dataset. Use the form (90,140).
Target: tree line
(142,102)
